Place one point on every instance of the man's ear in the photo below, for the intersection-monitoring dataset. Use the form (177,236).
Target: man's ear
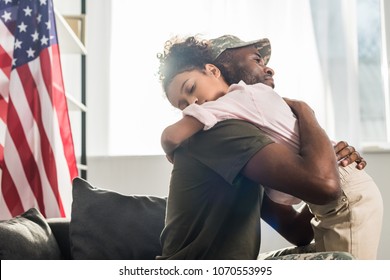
(212,69)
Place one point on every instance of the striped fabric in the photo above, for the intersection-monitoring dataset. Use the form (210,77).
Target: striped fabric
(37,160)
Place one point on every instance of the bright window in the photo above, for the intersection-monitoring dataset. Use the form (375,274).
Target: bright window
(138,109)
(322,52)
(373,92)
(351,43)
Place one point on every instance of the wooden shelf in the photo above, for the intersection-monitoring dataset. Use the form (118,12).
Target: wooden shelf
(68,41)
(82,167)
(71,40)
(75,105)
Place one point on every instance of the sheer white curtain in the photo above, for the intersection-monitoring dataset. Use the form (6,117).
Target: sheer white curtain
(349,36)
(336,33)
(138,109)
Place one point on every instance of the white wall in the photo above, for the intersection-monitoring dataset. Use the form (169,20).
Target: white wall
(379,168)
(98,26)
(140,175)
(150,175)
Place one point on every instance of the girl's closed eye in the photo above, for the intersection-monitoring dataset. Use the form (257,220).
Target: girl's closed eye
(191,88)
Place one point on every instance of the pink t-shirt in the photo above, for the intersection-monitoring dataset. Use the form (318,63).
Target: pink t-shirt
(260,105)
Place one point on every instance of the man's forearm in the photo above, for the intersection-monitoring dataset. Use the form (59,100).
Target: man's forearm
(314,142)
(293,225)
(311,175)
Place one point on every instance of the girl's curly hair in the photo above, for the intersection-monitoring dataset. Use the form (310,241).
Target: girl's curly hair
(182,55)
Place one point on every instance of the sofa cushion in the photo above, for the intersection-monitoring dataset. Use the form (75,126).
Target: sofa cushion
(109,225)
(60,229)
(28,237)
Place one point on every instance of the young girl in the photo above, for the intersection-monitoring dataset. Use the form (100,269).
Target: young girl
(352,223)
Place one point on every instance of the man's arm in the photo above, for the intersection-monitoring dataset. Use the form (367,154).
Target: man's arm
(293,225)
(311,175)
(175,134)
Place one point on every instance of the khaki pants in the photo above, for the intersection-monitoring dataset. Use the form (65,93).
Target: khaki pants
(353,223)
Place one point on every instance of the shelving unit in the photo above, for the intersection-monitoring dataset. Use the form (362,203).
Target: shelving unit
(71,36)
(70,42)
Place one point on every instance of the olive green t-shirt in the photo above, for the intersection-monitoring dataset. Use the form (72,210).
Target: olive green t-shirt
(213,212)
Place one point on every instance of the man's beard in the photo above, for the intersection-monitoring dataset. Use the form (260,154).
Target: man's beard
(246,76)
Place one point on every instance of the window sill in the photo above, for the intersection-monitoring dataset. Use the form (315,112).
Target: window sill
(376,148)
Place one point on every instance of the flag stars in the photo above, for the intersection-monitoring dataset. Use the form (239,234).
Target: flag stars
(6,16)
(35,36)
(7,1)
(32,27)
(18,44)
(27,11)
(22,27)
(30,52)
(44,40)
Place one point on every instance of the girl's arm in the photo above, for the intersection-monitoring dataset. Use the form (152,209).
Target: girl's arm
(175,134)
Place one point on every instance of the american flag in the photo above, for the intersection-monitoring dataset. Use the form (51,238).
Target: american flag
(37,160)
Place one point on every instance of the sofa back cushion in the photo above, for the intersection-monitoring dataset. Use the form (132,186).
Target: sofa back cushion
(60,229)
(28,237)
(112,226)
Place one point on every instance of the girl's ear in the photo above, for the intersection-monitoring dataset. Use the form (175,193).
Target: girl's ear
(213,70)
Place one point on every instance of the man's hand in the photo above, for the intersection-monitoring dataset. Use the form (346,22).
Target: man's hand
(347,154)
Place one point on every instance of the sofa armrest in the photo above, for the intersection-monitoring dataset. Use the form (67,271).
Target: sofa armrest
(60,229)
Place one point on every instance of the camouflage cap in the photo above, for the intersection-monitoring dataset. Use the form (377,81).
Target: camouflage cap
(220,44)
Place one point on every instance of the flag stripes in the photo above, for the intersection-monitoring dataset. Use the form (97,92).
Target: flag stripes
(37,160)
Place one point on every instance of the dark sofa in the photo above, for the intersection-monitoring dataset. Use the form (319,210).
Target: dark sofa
(126,228)
(104,225)
(60,230)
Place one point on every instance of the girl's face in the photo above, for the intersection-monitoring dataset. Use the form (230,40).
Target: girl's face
(196,86)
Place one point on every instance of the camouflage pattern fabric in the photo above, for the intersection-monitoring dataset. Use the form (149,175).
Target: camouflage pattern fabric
(304,253)
(220,44)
